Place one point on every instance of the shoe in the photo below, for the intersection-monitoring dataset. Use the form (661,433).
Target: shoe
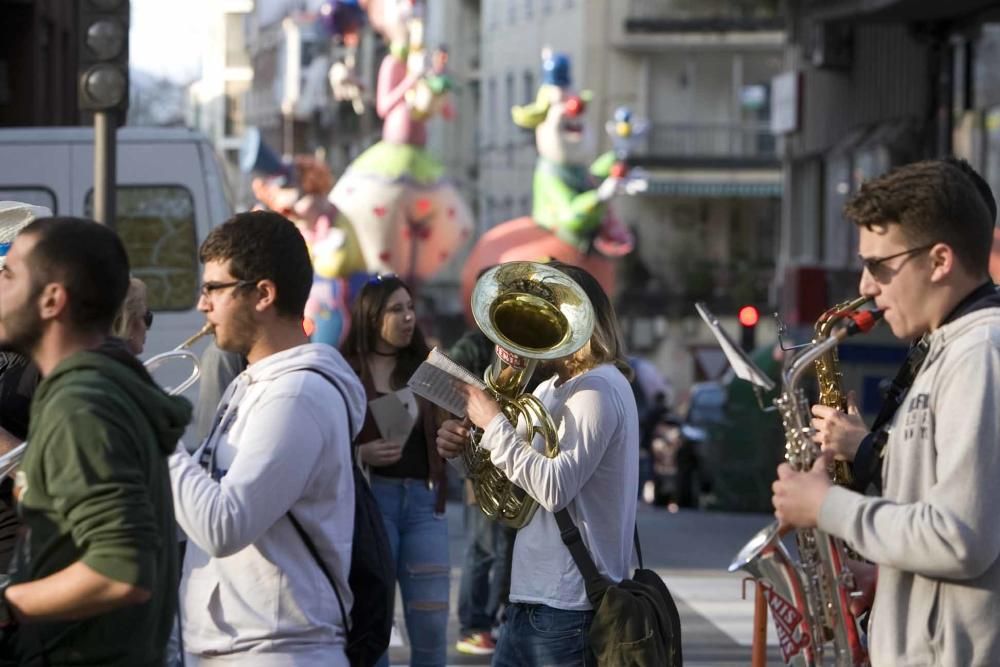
(476,643)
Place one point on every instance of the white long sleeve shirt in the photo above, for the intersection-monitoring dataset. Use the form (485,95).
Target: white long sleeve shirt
(251,591)
(595,475)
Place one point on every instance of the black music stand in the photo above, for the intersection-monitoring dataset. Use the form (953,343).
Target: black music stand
(738,359)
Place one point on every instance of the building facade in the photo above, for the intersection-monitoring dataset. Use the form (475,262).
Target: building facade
(38,63)
(700,73)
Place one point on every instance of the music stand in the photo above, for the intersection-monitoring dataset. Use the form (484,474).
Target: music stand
(738,359)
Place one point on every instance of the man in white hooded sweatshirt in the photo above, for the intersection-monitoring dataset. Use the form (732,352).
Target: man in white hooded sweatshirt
(251,591)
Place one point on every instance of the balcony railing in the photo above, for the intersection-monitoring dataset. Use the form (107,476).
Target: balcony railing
(702,15)
(709,140)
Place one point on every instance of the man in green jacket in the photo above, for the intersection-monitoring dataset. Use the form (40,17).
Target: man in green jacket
(95,572)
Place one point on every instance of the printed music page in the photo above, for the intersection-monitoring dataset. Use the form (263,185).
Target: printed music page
(442,382)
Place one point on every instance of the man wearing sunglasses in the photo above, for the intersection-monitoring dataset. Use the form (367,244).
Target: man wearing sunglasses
(925,238)
(845,433)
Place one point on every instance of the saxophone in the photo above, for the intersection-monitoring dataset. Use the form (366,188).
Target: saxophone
(828,373)
(810,598)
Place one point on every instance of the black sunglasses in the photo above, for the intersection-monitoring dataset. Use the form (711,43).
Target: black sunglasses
(147,318)
(874,265)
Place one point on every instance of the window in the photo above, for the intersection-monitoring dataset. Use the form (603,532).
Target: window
(157,225)
(529,86)
(491,111)
(511,100)
(34,195)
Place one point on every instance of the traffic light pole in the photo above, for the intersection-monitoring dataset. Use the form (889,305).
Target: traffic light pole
(105,150)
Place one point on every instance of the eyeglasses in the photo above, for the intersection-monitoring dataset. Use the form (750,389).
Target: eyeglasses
(874,265)
(147,319)
(209,287)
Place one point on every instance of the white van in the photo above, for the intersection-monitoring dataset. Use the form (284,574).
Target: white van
(171,192)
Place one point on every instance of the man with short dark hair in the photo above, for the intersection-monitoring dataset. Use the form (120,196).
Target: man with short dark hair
(267,501)
(95,574)
(925,237)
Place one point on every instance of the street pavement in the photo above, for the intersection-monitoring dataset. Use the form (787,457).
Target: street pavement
(691,550)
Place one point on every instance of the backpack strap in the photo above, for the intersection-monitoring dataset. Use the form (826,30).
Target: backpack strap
(319,561)
(310,545)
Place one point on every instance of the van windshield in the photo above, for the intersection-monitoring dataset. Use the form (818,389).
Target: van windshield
(157,225)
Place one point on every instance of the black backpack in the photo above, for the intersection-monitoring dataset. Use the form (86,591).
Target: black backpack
(636,622)
(372,575)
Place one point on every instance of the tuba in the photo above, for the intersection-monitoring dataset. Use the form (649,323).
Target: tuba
(809,599)
(532,313)
(12,459)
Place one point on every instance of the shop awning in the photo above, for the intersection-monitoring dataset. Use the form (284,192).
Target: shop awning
(711,183)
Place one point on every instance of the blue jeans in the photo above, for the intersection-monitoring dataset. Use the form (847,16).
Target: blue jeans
(480,596)
(419,541)
(539,636)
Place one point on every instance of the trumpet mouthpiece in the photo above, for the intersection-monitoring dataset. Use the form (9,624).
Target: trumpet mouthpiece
(204,331)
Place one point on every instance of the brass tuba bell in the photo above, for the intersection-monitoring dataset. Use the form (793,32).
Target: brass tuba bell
(532,313)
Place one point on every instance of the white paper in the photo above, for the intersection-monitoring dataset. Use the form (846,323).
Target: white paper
(442,382)
(395,414)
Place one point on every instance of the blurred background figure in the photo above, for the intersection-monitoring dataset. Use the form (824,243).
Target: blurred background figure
(384,347)
(134,319)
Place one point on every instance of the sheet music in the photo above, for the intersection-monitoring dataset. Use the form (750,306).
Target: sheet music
(442,382)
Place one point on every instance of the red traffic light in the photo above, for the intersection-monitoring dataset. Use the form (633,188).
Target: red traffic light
(748,316)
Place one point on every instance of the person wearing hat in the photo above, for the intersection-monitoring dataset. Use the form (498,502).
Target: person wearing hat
(18,379)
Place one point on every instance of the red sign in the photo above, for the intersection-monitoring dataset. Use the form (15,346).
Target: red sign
(792,631)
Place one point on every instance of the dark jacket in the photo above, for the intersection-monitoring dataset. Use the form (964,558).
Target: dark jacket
(94,488)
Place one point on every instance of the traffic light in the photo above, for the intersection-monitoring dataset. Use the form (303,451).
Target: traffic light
(748,317)
(102,38)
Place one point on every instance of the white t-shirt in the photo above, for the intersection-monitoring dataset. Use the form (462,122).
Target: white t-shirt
(595,475)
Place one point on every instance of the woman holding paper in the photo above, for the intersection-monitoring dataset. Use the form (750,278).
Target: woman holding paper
(397,445)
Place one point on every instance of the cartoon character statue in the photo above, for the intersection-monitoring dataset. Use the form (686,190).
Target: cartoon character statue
(570,219)
(408,218)
(299,192)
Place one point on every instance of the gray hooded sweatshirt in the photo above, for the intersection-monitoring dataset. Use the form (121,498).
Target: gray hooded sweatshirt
(936,533)
(251,593)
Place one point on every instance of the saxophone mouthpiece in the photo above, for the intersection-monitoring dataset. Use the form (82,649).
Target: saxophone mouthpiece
(863,321)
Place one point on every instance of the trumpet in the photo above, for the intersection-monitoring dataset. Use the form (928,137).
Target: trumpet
(184,352)
(12,459)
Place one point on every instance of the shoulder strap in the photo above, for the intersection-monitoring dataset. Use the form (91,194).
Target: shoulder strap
(302,531)
(347,410)
(593,580)
(322,566)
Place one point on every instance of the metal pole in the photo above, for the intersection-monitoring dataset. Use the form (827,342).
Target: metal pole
(758,646)
(105,149)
